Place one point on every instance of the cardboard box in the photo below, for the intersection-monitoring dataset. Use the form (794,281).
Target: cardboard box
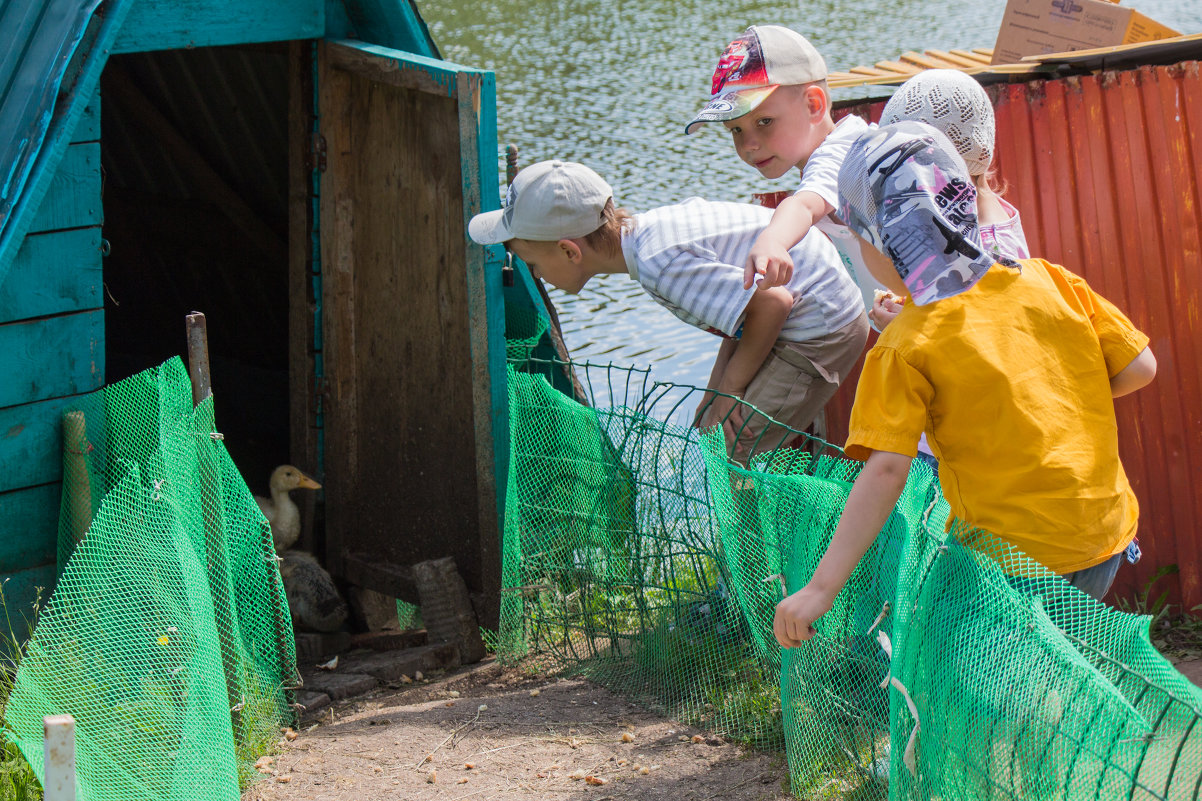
(1035,27)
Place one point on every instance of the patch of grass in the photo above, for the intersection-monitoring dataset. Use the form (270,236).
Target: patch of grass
(1176,632)
(18,782)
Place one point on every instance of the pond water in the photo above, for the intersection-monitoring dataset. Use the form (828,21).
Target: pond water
(611,83)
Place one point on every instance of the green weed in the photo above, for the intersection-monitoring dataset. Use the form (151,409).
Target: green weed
(18,782)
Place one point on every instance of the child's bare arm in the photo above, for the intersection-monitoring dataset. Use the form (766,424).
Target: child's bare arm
(791,221)
(872,498)
(765,315)
(1136,375)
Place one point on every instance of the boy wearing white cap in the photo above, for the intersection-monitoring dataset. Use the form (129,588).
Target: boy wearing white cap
(770,92)
(784,350)
(1009,366)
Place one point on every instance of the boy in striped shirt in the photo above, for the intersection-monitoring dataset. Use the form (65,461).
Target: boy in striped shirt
(785,349)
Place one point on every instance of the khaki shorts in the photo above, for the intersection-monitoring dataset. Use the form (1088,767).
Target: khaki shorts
(795,382)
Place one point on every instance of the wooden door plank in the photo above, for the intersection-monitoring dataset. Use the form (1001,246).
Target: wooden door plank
(29,527)
(51,356)
(54,272)
(73,199)
(31,443)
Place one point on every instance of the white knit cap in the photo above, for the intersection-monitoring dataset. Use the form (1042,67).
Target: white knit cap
(955,104)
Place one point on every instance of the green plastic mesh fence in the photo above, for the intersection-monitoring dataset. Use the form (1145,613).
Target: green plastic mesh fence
(168,636)
(950,667)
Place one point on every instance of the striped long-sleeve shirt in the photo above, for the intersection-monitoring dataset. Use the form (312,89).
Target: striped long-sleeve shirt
(690,257)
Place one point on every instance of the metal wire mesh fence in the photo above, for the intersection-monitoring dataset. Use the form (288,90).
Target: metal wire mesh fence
(167,637)
(637,553)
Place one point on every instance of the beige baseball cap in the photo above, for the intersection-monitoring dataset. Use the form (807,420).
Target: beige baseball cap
(763,58)
(546,202)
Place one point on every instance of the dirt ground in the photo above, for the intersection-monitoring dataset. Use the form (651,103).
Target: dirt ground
(525,736)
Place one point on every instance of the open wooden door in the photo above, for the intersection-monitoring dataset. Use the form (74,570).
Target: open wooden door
(412,322)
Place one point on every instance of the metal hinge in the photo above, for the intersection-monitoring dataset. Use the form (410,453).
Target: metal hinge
(317,153)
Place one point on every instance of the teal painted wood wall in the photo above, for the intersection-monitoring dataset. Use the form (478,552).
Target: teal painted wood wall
(51,351)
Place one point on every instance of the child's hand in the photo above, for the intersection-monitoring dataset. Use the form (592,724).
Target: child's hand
(795,616)
(769,259)
(885,307)
(724,411)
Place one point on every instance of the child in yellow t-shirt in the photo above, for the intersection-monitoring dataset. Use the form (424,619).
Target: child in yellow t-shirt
(1009,367)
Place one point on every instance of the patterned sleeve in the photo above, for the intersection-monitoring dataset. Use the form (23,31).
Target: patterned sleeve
(890,410)
(1121,341)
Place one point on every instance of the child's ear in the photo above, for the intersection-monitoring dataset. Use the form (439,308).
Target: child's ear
(571,249)
(817,101)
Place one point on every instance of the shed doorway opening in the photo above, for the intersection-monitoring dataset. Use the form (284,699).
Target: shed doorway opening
(194,152)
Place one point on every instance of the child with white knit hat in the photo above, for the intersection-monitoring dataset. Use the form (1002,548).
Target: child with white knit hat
(957,105)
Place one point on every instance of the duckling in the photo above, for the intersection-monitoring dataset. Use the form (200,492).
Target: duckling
(279,509)
(313,600)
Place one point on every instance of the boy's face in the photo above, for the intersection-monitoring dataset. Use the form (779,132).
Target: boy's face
(782,132)
(552,262)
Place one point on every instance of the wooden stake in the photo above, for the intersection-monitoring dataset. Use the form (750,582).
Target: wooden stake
(198,357)
(58,757)
(77,479)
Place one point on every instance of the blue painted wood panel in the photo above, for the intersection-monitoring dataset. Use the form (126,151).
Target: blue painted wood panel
(31,443)
(73,199)
(29,527)
(170,24)
(88,127)
(51,357)
(55,272)
(21,590)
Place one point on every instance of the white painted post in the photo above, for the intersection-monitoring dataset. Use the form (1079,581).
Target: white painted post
(58,757)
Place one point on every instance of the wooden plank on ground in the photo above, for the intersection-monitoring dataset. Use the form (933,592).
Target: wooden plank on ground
(73,199)
(51,357)
(53,273)
(29,527)
(31,443)
(172,24)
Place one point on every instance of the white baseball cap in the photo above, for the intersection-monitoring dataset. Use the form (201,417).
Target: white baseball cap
(752,66)
(546,202)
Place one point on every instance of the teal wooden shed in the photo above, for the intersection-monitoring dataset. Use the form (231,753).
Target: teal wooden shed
(302,171)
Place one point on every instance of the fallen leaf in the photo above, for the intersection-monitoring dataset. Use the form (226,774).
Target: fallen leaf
(644,770)
(429,757)
(452,693)
(462,781)
(697,738)
(290,735)
(623,762)
(535,693)
(331,665)
(469,765)
(417,675)
(577,775)
(377,769)
(595,780)
(405,679)
(432,778)
(283,779)
(627,737)
(450,703)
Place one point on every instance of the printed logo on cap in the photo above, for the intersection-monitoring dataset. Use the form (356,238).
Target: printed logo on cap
(741,63)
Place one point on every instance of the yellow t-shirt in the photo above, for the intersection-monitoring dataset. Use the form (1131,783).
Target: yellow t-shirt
(1011,383)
